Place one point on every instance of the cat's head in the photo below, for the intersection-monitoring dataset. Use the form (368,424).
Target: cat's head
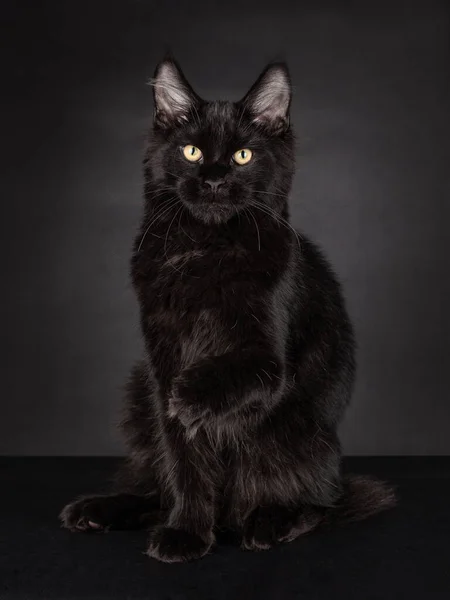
(219,158)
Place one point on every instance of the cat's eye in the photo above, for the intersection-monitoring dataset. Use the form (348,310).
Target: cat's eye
(192,153)
(242,157)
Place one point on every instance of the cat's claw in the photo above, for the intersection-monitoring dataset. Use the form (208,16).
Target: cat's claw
(270,525)
(75,517)
(116,511)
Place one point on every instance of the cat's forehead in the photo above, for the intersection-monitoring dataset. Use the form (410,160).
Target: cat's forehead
(220,111)
(217,123)
(218,120)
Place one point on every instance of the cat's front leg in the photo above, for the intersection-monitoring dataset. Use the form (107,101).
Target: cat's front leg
(214,388)
(192,473)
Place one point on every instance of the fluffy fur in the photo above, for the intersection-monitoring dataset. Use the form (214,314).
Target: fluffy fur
(232,415)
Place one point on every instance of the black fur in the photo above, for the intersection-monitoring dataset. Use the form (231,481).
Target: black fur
(232,415)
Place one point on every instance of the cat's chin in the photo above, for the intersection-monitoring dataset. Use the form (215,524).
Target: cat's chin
(212,213)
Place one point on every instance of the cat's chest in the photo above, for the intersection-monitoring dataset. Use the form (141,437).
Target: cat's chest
(195,300)
(187,335)
(207,276)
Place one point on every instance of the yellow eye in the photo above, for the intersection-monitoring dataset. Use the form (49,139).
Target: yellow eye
(192,153)
(242,157)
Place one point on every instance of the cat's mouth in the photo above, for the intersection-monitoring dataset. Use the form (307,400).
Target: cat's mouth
(217,211)
(210,206)
(219,196)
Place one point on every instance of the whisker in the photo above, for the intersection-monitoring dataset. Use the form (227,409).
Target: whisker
(158,210)
(173,174)
(271,213)
(271,193)
(174,267)
(257,229)
(183,230)
(160,213)
(168,229)
(160,192)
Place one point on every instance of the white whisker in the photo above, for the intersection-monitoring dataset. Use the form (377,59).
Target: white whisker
(162,211)
(168,229)
(271,213)
(257,229)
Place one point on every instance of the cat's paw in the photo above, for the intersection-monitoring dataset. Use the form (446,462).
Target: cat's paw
(116,511)
(84,514)
(191,415)
(270,525)
(170,545)
(189,403)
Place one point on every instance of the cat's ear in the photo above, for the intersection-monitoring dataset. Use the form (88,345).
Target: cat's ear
(269,98)
(173,96)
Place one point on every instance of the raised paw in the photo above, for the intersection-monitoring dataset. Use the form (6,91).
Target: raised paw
(196,397)
(101,513)
(270,525)
(191,416)
(170,545)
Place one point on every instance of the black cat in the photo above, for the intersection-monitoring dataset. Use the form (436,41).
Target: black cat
(249,364)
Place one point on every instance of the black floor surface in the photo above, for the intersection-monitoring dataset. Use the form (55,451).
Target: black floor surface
(403,554)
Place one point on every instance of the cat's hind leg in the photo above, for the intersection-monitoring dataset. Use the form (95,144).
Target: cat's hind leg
(283,487)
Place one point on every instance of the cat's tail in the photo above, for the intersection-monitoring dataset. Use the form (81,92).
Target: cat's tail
(363,497)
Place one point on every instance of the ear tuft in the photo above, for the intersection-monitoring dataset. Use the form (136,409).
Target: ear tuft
(174,98)
(269,99)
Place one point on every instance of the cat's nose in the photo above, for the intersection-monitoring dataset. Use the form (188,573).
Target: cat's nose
(214,184)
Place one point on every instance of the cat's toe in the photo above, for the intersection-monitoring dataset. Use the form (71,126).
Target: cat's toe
(87,514)
(270,525)
(254,539)
(267,526)
(75,517)
(190,417)
(171,545)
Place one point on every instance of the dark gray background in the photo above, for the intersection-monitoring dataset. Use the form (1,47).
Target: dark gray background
(372,113)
